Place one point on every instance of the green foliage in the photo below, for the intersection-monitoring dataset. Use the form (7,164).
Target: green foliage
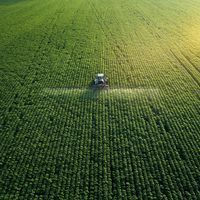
(59,139)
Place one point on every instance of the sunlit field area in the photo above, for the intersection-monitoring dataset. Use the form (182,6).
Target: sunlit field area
(139,139)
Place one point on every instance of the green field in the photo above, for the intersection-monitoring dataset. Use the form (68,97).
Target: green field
(138,140)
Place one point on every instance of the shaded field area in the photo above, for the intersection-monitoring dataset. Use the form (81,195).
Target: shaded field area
(61,140)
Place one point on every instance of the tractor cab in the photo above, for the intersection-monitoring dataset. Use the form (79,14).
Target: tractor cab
(101,80)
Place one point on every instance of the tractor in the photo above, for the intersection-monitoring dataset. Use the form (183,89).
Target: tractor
(100,82)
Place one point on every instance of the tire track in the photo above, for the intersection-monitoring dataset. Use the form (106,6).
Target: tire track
(189,61)
(115,47)
(185,68)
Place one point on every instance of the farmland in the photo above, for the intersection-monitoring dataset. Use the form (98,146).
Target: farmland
(138,140)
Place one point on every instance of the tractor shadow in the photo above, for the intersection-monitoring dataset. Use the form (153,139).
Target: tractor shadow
(90,94)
